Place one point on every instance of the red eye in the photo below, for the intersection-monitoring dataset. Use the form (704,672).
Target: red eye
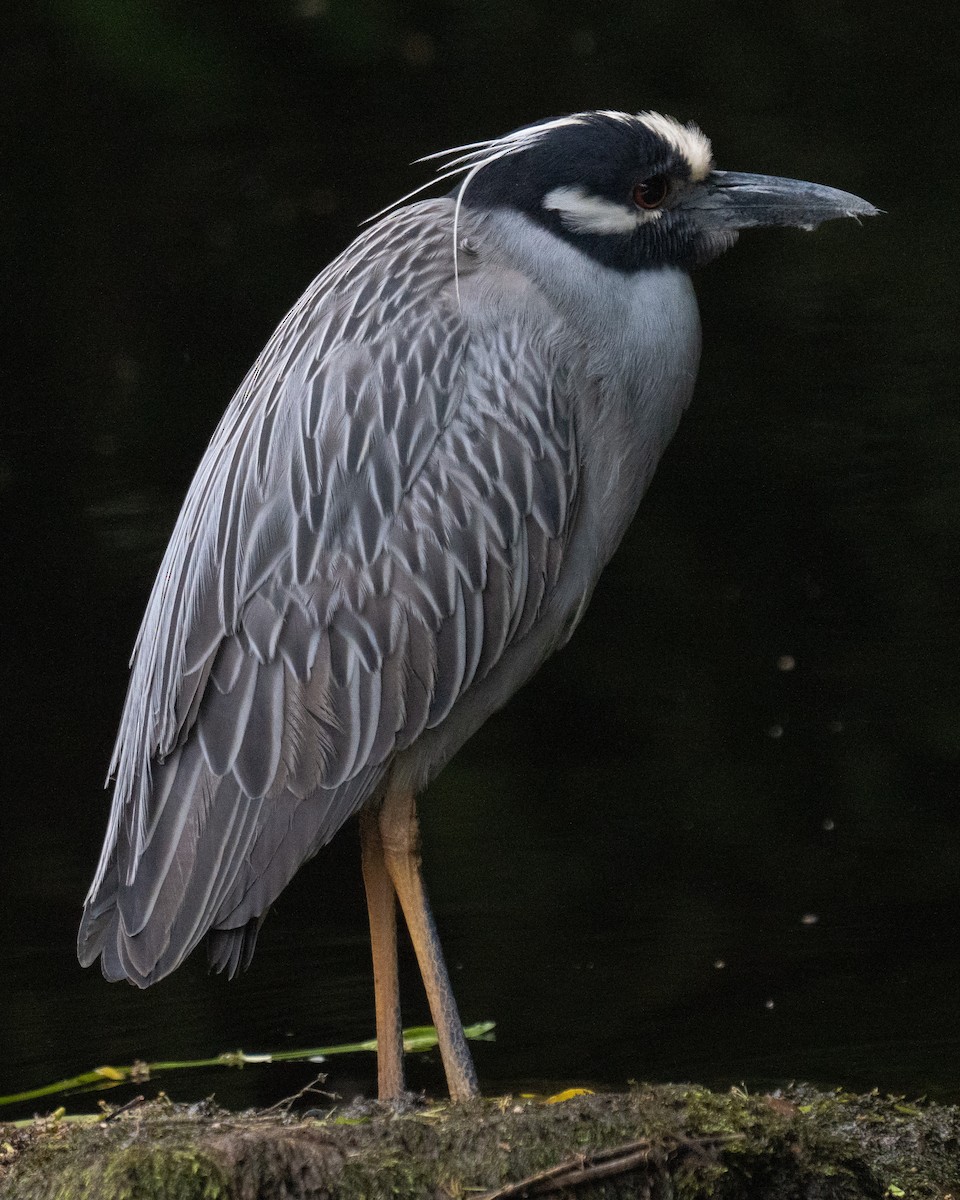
(652,192)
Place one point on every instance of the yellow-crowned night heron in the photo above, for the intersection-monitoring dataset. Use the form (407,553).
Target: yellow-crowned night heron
(403,512)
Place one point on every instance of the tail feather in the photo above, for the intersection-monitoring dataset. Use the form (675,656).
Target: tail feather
(231,950)
(215,862)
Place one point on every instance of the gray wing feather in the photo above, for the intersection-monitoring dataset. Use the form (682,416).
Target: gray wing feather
(381,511)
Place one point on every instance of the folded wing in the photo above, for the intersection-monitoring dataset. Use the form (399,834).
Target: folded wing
(381,512)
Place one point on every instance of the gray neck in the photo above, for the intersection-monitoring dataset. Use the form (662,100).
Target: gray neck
(642,326)
(641,334)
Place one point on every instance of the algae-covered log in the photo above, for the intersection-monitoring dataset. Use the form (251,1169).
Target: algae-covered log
(672,1142)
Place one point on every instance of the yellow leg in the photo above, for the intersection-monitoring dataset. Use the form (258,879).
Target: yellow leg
(381,908)
(400,839)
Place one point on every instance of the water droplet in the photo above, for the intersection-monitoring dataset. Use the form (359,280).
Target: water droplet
(583,43)
(309,10)
(418,49)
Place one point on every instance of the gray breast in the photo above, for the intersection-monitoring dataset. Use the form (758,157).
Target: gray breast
(622,354)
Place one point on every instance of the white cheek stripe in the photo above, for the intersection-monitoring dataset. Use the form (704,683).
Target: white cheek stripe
(584,213)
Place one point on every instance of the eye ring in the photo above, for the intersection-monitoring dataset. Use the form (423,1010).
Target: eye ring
(652,192)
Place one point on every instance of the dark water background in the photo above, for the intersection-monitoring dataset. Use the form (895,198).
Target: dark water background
(664,797)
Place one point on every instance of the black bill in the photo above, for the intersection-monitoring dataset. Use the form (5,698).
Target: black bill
(732,200)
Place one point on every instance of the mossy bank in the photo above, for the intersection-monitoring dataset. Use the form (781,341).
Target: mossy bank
(676,1142)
